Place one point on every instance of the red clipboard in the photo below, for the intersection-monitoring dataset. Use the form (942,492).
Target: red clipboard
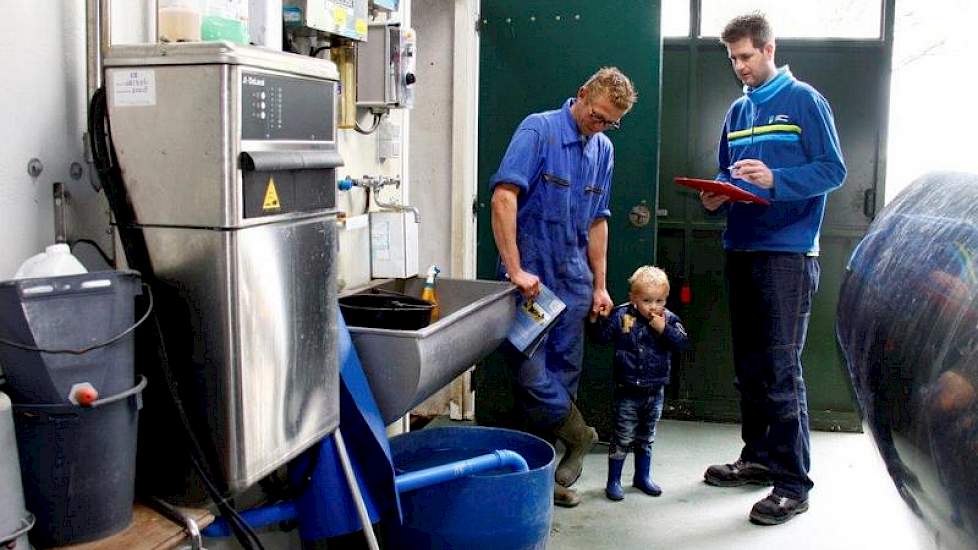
(722,188)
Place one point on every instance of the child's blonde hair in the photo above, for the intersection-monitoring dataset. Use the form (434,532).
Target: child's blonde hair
(648,276)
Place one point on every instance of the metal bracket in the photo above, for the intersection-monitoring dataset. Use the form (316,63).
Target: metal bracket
(60,213)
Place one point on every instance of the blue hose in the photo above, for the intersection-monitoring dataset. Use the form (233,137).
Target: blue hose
(502,458)
(256,518)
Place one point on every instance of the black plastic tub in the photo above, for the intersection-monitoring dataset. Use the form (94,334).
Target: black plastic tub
(79,466)
(386,310)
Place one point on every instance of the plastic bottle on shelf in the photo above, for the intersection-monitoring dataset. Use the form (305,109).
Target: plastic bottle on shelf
(55,261)
(179,20)
(430,294)
(225,20)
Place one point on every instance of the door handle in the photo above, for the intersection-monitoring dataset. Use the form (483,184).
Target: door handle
(640,215)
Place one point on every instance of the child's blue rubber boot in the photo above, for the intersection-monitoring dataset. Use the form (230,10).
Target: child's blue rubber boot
(613,489)
(643,475)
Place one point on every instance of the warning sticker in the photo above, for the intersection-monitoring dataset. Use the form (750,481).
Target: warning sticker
(271,201)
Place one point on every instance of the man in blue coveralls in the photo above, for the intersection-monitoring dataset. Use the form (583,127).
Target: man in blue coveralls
(549,219)
(779,142)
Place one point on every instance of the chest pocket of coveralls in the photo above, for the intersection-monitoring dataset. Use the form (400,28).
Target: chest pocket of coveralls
(556,198)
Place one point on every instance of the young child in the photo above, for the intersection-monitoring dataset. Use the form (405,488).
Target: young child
(644,334)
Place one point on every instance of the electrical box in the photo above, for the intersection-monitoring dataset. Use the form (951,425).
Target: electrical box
(385,67)
(393,245)
(347,18)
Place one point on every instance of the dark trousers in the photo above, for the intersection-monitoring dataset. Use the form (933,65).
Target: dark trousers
(545,384)
(770,304)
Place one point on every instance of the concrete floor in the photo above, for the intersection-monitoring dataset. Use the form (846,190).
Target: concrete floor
(853,505)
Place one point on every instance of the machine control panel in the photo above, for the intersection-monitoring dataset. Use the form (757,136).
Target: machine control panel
(281,108)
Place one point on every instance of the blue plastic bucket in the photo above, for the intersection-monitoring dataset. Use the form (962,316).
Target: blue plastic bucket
(502,510)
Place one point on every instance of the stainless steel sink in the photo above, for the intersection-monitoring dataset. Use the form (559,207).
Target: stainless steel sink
(404,367)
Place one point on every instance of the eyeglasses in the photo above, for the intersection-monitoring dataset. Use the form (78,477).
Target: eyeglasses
(611,124)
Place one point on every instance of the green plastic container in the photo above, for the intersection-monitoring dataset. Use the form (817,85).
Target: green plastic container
(222,28)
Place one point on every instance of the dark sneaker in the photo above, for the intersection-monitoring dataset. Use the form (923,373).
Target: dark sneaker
(737,474)
(775,509)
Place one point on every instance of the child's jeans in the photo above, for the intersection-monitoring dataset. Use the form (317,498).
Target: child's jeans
(636,412)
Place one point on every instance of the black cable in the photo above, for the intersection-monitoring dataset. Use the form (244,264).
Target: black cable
(373,128)
(82,351)
(313,52)
(137,256)
(93,244)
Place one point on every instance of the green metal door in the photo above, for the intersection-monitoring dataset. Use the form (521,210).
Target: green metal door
(534,55)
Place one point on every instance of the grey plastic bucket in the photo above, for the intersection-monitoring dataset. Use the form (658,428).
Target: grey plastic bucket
(68,312)
(79,466)
(15,520)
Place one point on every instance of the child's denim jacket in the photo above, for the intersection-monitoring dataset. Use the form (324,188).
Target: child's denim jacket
(642,356)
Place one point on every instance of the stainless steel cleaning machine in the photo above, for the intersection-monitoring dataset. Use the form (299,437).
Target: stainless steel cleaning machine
(228,154)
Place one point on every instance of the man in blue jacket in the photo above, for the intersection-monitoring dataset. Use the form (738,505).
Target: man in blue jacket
(550,222)
(779,142)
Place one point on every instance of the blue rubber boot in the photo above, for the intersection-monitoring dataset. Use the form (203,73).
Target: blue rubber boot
(643,475)
(613,489)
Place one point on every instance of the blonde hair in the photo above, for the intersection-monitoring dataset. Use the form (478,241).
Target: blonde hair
(612,83)
(648,276)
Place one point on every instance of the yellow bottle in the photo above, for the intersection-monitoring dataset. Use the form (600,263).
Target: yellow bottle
(429,294)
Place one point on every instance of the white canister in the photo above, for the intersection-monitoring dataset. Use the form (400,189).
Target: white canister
(56,261)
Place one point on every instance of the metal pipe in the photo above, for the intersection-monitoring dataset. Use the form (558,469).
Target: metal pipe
(176,516)
(420,479)
(380,182)
(395,206)
(375,184)
(93,53)
(105,29)
(256,518)
(351,479)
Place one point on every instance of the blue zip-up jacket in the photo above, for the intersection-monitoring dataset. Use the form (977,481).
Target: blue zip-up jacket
(789,126)
(642,356)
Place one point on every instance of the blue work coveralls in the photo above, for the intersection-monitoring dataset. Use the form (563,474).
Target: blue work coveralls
(564,181)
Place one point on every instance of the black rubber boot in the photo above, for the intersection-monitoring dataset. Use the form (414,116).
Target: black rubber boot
(578,437)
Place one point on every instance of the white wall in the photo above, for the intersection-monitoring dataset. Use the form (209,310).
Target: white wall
(42,54)
(431,131)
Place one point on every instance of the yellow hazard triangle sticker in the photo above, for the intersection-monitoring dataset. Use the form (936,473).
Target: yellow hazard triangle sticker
(271,197)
